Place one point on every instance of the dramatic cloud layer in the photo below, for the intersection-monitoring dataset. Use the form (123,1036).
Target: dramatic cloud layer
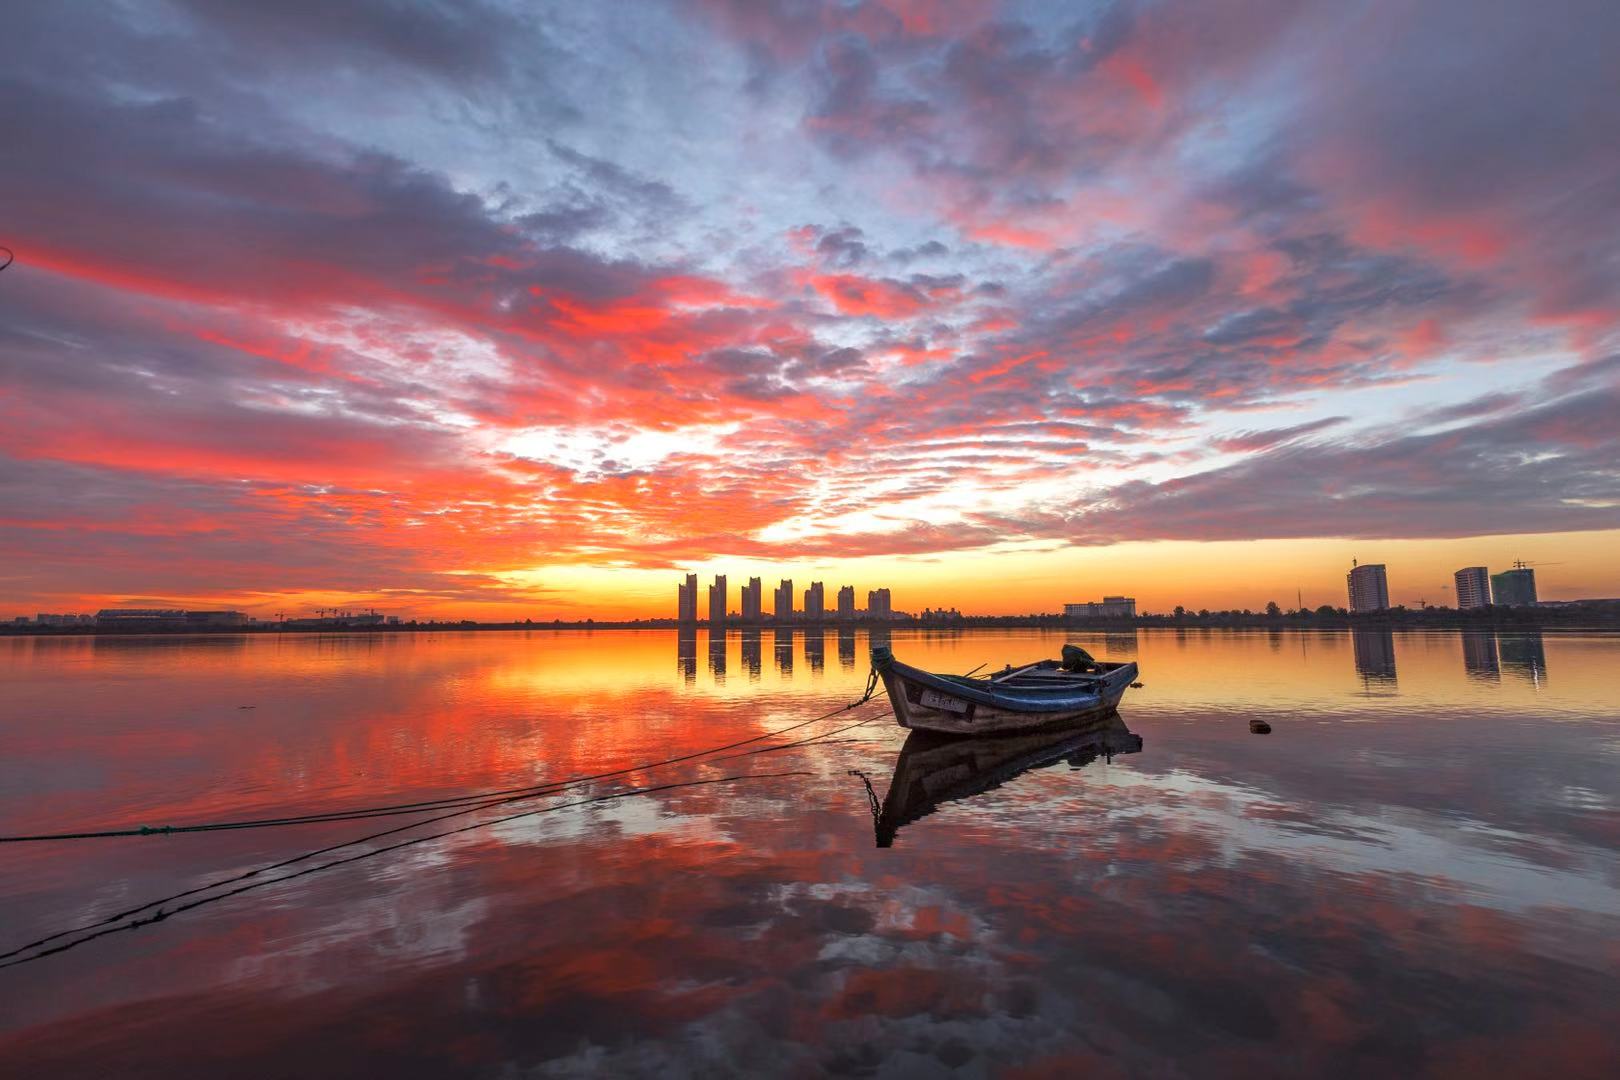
(424,303)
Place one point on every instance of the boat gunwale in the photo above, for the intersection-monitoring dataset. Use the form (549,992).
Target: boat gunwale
(1029,699)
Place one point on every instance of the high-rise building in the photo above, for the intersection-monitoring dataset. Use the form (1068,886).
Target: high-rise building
(846,603)
(784,601)
(1473,588)
(815,602)
(686,600)
(717,603)
(1515,587)
(751,610)
(877,604)
(1369,587)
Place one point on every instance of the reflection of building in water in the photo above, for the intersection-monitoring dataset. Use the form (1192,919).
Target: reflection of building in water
(686,651)
(1375,657)
(846,649)
(717,655)
(878,636)
(1479,654)
(1119,645)
(1524,655)
(750,653)
(215,644)
(784,650)
(815,649)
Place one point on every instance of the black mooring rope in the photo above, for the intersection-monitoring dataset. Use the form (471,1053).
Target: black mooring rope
(521,795)
(389,810)
(160,915)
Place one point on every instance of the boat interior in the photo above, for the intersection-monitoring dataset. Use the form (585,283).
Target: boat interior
(1044,674)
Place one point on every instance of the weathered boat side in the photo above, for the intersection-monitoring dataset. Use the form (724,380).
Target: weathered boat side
(958,706)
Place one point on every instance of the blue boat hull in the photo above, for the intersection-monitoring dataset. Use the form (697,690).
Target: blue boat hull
(954,705)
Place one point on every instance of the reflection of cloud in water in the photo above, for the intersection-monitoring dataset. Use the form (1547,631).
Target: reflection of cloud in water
(1450,853)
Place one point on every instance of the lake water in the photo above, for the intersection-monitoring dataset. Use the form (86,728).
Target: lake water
(1416,873)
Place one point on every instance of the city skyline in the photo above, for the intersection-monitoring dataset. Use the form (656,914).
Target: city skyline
(981,302)
(1475,587)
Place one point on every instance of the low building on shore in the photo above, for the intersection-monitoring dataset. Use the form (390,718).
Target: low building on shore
(1109,607)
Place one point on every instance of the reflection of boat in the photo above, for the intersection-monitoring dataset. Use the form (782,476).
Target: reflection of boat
(1035,695)
(935,769)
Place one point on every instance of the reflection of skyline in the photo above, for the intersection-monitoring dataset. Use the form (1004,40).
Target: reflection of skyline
(1490,656)
(686,655)
(1375,657)
(1120,644)
(846,648)
(1479,655)
(783,640)
(1487,653)
(1524,654)
(130,643)
(717,656)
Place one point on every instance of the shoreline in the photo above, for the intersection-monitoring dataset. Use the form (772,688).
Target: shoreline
(1579,620)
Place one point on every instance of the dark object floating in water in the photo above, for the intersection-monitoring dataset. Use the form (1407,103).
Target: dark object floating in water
(935,769)
(1259,727)
(1037,695)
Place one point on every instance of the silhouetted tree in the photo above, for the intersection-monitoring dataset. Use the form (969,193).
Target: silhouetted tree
(1272,609)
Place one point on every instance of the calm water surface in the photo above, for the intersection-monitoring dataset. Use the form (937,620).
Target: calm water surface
(1417,873)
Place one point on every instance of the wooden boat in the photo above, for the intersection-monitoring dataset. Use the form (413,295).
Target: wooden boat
(935,769)
(1037,695)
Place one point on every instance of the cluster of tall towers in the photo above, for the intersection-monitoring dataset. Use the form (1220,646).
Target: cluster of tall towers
(814,609)
(1477,587)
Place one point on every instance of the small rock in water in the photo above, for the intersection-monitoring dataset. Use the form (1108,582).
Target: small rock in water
(1259,727)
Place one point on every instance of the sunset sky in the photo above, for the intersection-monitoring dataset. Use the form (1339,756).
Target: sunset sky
(521,310)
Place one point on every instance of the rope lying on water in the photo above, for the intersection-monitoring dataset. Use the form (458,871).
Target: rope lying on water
(390,810)
(105,926)
(12,959)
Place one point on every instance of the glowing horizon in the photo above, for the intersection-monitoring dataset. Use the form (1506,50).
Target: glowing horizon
(500,312)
